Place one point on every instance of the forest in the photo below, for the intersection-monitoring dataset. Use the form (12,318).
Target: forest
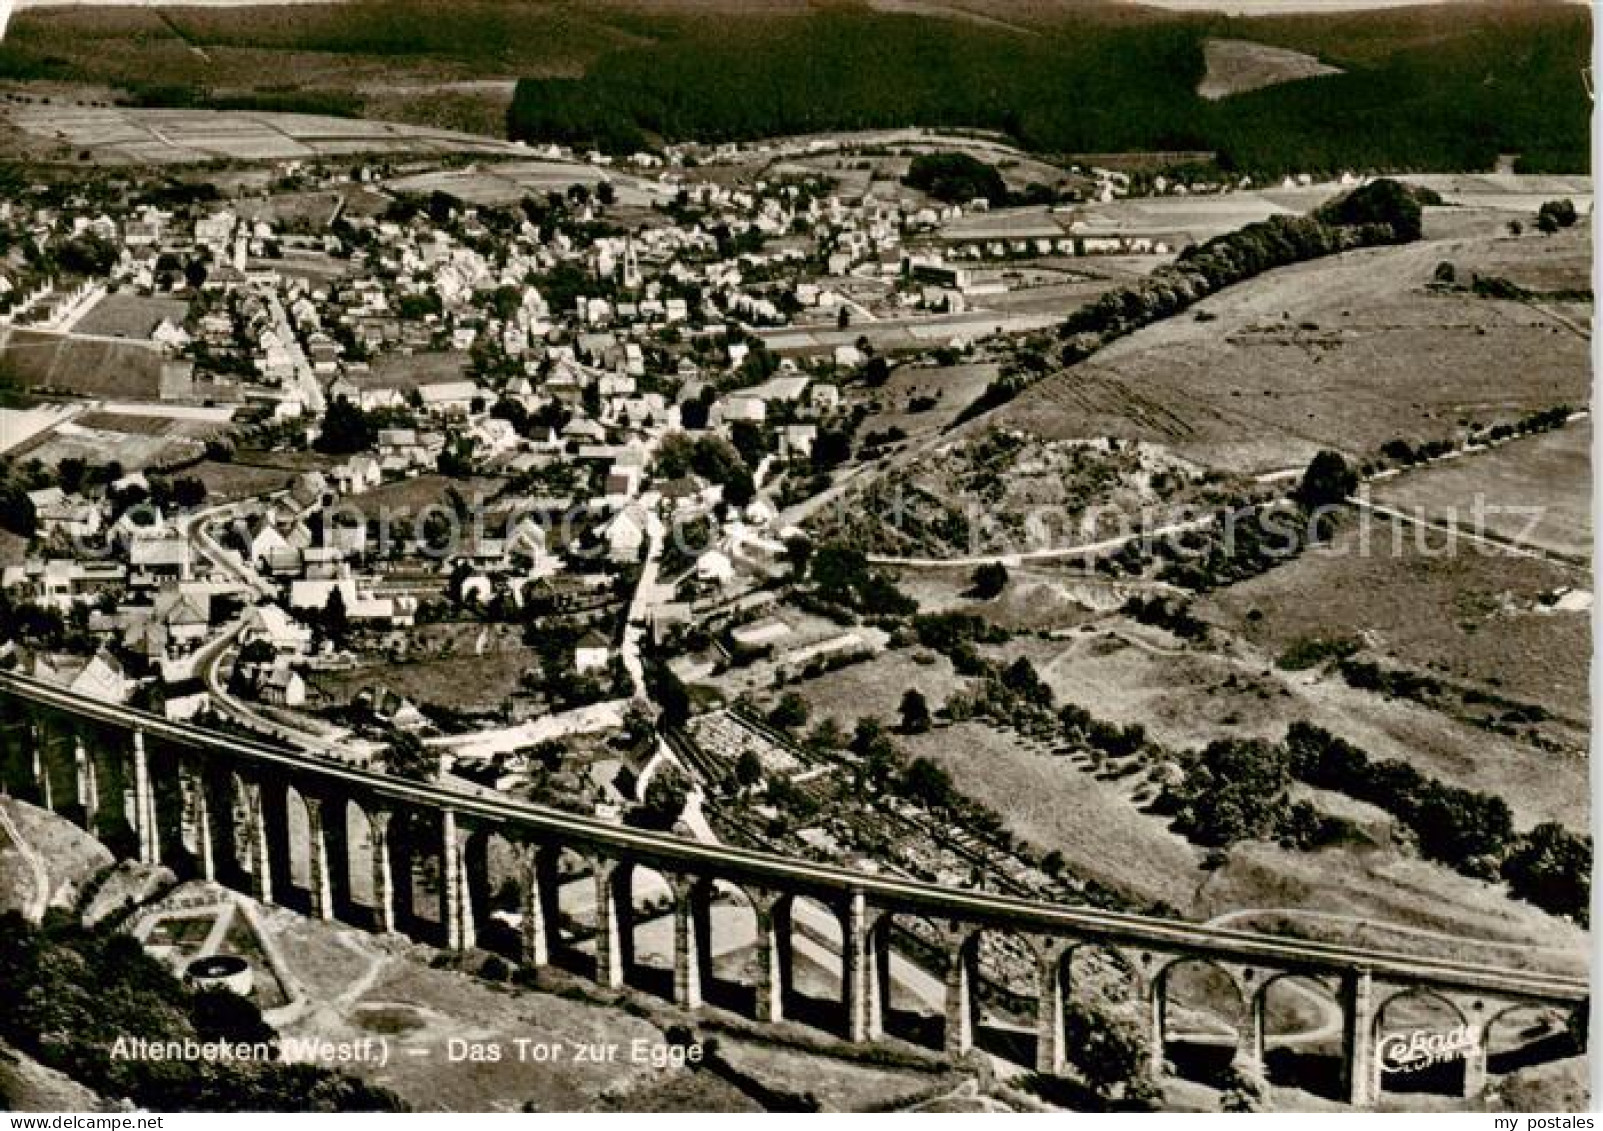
(1419,91)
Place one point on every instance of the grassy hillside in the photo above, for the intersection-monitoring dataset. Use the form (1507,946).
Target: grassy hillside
(1439,88)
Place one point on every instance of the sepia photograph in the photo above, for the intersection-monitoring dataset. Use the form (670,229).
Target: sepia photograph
(795,556)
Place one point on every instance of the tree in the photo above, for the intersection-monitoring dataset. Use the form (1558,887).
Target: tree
(928,785)
(1552,868)
(826,735)
(956,178)
(405,756)
(1109,1050)
(844,319)
(16,510)
(664,801)
(70,474)
(790,712)
(1236,790)
(670,694)
(915,712)
(748,769)
(189,492)
(1556,214)
(346,429)
(989,580)
(221,1015)
(1327,481)
(1021,678)
(1380,202)
(336,620)
(257,652)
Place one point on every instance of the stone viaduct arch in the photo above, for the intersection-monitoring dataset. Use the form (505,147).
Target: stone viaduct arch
(457,870)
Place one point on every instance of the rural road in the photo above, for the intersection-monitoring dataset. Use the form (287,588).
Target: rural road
(1453,531)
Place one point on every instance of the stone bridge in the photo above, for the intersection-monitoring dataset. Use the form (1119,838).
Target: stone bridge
(464,870)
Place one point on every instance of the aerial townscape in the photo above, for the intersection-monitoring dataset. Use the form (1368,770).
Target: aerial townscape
(700,556)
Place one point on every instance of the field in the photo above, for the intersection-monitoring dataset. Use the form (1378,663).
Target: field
(408,498)
(1051,803)
(80,366)
(130,316)
(137,136)
(407,371)
(450,671)
(1188,697)
(1349,352)
(1236,66)
(1356,893)
(1536,491)
(953,387)
(874,687)
(504,183)
(1474,618)
(997,490)
(136,443)
(228,481)
(147,424)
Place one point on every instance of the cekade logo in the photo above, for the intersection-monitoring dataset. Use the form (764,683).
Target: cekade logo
(1421,1048)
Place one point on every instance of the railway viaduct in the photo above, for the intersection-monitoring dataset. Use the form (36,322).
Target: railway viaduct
(340,842)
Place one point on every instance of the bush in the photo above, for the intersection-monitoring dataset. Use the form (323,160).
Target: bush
(1552,868)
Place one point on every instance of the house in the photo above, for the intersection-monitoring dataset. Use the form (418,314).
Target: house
(740,406)
(159,559)
(797,440)
(185,612)
(282,685)
(825,398)
(626,534)
(67,515)
(273,625)
(781,387)
(58,582)
(309,490)
(592,653)
(322,561)
(623,482)
(495,435)
(314,593)
(349,538)
(391,709)
(266,543)
(277,545)
(46,497)
(584,431)
(527,539)
(449,398)
(715,567)
(358,474)
(400,450)
(103,679)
